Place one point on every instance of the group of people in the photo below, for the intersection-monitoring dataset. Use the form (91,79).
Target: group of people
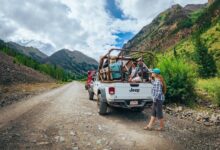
(137,73)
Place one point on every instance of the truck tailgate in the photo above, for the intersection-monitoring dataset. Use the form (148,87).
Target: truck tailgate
(132,91)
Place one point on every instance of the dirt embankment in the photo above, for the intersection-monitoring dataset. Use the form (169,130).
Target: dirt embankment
(18,81)
(14,73)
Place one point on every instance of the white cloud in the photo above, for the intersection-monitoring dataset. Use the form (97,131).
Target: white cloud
(144,11)
(84,25)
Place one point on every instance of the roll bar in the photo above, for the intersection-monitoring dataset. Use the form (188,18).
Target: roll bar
(121,56)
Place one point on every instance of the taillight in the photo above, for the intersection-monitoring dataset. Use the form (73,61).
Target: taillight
(111,90)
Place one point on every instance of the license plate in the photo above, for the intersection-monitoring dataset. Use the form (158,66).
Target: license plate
(132,103)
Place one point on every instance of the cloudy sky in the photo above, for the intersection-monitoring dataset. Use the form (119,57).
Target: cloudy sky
(90,26)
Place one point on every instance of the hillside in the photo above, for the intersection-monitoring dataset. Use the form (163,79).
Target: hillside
(13,73)
(31,52)
(72,61)
(175,28)
(62,65)
(168,28)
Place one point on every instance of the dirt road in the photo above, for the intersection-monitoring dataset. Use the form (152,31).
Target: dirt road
(64,118)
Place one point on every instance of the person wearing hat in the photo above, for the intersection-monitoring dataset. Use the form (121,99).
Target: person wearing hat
(158,92)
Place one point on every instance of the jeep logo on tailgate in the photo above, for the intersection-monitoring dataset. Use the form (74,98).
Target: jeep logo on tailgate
(134,90)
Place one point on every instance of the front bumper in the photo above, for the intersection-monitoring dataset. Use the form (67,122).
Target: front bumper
(126,103)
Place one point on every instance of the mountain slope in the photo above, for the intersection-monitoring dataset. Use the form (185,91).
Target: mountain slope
(72,61)
(63,65)
(32,52)
(166,29)
(176,28)
(51,70)
(12,72)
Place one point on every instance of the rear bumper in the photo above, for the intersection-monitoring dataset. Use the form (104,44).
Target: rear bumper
(126,103)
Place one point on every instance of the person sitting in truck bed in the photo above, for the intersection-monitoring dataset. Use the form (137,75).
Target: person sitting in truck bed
(115,68)
(133,70)
(142,70)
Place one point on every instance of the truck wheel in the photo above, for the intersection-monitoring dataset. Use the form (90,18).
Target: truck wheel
(91,95)
(102,106)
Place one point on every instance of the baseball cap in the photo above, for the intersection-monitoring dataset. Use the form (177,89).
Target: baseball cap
(155,70)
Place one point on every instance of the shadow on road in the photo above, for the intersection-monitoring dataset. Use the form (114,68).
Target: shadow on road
(129,115)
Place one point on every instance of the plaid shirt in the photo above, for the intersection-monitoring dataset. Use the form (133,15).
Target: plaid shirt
(157,91)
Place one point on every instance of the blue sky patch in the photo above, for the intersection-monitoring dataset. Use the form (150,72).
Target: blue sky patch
(122,38)
(113,10)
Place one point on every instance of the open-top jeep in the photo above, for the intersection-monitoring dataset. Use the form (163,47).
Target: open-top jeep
(120,92)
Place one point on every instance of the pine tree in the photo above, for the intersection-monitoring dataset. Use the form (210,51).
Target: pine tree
(206,64)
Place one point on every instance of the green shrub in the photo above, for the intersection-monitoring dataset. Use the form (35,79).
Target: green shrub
(180,79)
(186,23)
(14,61)
(195,15)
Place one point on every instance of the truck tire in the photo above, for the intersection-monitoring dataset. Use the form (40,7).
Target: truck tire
(91,95)
(102,106)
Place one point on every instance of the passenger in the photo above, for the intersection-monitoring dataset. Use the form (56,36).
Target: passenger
(133,71)
(142,70)
(115,68)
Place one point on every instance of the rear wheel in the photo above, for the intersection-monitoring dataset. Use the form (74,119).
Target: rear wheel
(102,106)
(91,95)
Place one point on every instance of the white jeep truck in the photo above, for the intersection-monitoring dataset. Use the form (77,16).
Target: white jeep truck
(119,93)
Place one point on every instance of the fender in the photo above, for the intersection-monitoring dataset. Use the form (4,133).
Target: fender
(103,95)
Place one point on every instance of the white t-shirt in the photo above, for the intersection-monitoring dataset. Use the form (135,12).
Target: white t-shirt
(133,72)
(136,79)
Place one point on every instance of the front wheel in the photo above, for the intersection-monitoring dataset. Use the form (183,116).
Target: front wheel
(102,106)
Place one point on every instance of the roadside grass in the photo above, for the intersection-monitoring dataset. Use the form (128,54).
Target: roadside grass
(211,87)
(26,88)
